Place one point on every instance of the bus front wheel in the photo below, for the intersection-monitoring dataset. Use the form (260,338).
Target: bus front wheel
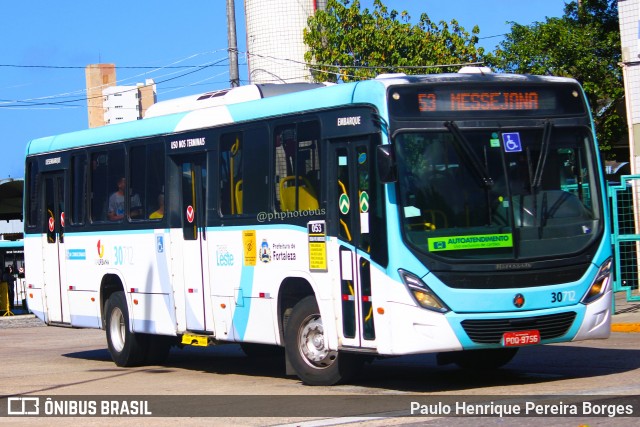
(126,347)
(308,352)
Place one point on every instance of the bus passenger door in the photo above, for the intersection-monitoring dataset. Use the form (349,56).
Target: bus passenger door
(54,254)
(349,213)
(193,171)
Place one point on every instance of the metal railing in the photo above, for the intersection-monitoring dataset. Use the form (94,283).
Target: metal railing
(625,235)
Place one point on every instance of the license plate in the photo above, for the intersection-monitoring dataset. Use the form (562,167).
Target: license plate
(514,339)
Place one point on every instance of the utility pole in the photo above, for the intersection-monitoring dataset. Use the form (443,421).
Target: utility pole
(232,41)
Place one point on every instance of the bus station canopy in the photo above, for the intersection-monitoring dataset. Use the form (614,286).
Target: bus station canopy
(11,194)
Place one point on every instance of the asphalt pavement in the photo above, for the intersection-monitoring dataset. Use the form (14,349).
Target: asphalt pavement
(626,316)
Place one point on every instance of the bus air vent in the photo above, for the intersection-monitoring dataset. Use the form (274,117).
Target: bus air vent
(491,331)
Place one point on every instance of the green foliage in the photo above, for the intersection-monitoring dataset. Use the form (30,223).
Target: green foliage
(347,44)
(583,44)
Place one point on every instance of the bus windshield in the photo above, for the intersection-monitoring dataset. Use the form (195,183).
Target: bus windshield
(498,194)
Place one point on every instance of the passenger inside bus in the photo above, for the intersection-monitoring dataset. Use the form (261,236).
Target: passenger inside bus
(115,210)
(159,213)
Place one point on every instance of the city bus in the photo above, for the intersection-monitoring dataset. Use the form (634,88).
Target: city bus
(460,214)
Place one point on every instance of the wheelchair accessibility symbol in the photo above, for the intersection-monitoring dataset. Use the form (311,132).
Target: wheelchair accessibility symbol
(511,142)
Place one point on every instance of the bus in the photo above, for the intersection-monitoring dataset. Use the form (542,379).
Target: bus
(461,214)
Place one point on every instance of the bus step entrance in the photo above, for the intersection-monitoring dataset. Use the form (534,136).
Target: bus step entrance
(195,340)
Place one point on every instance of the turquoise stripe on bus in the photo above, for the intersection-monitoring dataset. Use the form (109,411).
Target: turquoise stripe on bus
(243,307)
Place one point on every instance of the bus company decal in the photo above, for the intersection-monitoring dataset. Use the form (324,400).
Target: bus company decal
(76,254)
(283,251)
(277,251)
(265,251)
(101,260)
(224,258)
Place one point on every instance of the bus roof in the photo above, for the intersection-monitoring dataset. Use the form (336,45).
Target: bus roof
(365,92)
(226,97)
(323,97)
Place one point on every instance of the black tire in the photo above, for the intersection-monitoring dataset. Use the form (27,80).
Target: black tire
(306,349)
(261,351)
(126,348)
(486,359)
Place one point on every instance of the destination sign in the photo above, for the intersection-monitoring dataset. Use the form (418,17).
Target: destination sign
(479,101)
(487,100)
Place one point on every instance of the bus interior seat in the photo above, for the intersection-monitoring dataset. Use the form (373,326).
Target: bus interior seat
(307,199)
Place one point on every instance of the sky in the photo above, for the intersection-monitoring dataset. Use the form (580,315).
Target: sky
(45,46)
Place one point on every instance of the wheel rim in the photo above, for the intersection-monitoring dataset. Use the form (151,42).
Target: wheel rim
(312,344)
(117,329)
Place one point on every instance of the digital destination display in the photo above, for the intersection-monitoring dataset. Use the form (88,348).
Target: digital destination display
(479,101)
(485,100)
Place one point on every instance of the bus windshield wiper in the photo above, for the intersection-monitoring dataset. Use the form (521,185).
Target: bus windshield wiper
(536,181)
(464,147)
(544,152)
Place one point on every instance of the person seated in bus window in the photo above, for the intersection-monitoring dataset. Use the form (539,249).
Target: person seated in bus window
(135,209)
(115,211)
(158,214)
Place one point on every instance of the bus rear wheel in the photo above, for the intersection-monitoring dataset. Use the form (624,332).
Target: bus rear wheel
(307,350)
(126,348)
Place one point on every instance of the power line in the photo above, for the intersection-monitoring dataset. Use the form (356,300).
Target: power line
(75,67)
(492,37)
(58,103)
(119,81)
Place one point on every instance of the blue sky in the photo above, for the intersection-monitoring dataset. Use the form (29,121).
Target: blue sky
(45,45)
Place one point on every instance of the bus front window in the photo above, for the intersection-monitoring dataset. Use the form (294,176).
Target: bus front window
(496,194)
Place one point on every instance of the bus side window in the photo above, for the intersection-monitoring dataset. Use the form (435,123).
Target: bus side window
(297,167)
(31,196)
(244,172)
(147,183)
(107,169)
(231,182)
(78,192)
(99,188)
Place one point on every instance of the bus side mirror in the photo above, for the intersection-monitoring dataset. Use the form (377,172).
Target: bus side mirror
(385,159)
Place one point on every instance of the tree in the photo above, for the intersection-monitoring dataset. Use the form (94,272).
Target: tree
(583,44)
(345,43)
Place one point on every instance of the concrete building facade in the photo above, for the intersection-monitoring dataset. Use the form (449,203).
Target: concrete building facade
(108,103)
(629,18)
(274,39)
(98,77)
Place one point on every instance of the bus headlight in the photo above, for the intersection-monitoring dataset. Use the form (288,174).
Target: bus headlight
(421,292)
(600,283)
